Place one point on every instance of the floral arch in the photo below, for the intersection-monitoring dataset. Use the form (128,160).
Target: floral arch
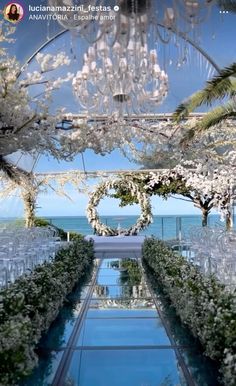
(102,190)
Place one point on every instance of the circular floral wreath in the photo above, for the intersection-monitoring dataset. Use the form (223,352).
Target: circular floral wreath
(102,190)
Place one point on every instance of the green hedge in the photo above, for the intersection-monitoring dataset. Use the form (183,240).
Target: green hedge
(201,302)
(42,222)
(29,306)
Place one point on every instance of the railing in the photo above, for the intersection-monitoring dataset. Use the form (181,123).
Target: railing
(163,227)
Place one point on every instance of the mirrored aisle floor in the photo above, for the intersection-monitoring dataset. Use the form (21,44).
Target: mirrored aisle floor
(112,333)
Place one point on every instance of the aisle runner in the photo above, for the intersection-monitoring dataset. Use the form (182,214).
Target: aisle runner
(122,340)
(105,245)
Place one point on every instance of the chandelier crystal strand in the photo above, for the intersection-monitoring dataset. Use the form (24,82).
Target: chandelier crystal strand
(193,12)
(120,79)
(183,16)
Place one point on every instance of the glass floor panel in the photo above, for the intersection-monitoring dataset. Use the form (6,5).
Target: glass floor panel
(122,303)
(108,280)
(109,272)
(71,309)
(122,340)
(114,291)
(107,263)
(123,332)
(203,370)
(122,313)
(116,280)
(129,368)
(58,334)
(78,293)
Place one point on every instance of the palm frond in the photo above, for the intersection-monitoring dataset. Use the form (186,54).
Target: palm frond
(13,172)
(219,87)
(216,116)
(226,72)
(222,142)
(187,138)
(183,110)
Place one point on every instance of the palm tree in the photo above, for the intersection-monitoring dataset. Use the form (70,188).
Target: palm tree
(23,179)
(220,87)
(14,173)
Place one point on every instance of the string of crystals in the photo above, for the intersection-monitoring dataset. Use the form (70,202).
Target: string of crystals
(121,79)
(96,19)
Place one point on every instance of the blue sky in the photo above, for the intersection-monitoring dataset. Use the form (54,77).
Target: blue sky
(218,40)
(51,205)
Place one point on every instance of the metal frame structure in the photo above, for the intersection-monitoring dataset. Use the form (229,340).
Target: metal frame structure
(178,33)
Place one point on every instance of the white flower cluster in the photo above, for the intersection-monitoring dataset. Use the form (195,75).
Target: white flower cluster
(202,303)
(101,191)
(202,182)
(26,123)
(29,306)
(50,62)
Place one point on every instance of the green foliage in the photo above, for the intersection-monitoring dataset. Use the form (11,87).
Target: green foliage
(74,236)
(217,115)
(41,222)
(184,109)
(125,197)
(28,307)
(176,186)
(219,87)
(133,274)
(60,232)
(214,117)
(202,303)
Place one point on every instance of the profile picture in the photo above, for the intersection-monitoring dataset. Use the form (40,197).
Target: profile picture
(13,12)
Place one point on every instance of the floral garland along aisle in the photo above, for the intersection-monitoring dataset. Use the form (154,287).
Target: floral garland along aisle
(102,190)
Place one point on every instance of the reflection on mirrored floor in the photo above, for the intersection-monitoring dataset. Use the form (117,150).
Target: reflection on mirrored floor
(58,336)
(126,368)
(78,293)
(124,332)
(45,371)
(202,369)
(121,313)
(125,304)
(121,340)
(121,325)
(118,291)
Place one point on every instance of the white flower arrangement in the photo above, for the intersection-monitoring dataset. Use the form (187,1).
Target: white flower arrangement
(202,303)
(102,190)
(29,306)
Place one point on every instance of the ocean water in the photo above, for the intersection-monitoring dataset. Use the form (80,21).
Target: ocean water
(163,227)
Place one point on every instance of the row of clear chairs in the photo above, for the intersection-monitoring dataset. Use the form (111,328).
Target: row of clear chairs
(22,249)
(213,249)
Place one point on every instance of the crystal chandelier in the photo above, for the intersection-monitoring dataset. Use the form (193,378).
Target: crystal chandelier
(118,79)
(181,16)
